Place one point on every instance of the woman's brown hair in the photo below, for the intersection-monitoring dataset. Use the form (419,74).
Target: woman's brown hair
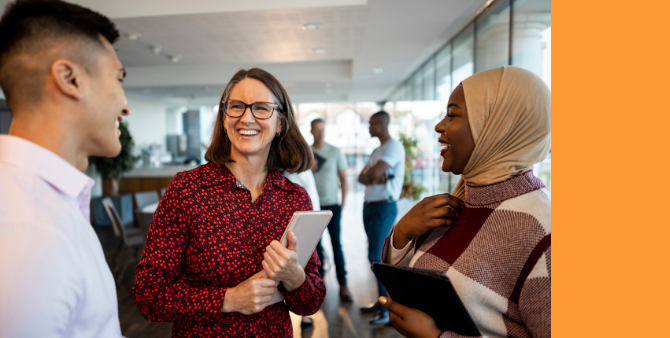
(289,151)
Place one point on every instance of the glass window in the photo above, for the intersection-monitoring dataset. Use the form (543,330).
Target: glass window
(417,86)
(406,92)
(493,36)
(428,73)
(463,53)
(443,73)
(531,37)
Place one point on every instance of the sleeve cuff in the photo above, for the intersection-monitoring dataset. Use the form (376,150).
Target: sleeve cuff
(396,255)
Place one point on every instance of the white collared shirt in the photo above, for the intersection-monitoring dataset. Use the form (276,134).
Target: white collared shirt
(55,281)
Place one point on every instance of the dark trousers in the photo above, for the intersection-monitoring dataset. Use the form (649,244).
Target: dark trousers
(378,220)
(334,231)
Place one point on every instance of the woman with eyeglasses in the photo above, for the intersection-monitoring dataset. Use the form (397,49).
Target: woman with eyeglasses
(218,225)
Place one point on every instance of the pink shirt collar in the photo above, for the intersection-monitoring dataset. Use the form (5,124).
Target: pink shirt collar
(50,167)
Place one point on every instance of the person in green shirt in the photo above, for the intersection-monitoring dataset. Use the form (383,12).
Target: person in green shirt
(329,165)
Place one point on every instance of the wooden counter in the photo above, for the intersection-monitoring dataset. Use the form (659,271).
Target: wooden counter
(146,179)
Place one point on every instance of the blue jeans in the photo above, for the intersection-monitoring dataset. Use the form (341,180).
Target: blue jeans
(334,231)
(378,220)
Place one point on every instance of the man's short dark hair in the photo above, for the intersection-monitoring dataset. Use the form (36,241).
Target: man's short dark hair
(31,29)
(383,117)
(319,120)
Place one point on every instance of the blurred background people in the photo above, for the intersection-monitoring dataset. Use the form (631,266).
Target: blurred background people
(330,168)
(62,81)
(221,222)
(383,178)
(498,252)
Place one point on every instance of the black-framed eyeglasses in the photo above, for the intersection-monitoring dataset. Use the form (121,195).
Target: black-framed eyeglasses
(260,110)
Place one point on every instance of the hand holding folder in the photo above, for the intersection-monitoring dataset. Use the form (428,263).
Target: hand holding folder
(428,291)
(308,226)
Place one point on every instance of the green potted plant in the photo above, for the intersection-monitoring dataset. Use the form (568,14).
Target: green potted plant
(409,188)
(110,169)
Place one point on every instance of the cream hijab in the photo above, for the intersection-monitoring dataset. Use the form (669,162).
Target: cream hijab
(509,110)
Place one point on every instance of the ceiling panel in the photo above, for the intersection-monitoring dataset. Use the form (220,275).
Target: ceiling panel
(213,38)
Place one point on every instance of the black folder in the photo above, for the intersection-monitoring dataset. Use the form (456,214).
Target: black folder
(429,291)
(320,160)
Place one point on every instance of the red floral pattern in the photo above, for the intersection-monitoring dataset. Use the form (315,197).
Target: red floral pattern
(207,226)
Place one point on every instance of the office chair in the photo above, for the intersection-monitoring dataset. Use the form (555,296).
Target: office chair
(131,238)
(145,198)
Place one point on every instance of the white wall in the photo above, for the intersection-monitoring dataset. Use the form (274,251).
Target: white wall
(147,123)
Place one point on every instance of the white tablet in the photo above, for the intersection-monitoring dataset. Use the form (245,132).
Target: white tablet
(308,226)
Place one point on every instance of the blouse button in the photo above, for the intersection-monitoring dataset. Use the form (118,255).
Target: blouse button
(251,220)
(253,248)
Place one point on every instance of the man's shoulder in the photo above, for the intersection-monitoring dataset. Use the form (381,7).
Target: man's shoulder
(395,143)
(329,148)
(392,145)
(28,203)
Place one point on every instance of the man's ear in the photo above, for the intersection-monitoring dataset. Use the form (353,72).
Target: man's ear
(68,77)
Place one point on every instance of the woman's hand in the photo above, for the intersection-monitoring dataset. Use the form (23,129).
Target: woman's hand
(410,322)
(250,296)
(281,264)
(432,212)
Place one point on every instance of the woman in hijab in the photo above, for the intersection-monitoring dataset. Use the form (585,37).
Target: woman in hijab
(497,253)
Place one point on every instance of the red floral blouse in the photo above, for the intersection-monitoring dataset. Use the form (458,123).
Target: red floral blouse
(207,225)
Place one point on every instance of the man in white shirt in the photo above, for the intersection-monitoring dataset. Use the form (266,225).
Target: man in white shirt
(383,177)
(62,80)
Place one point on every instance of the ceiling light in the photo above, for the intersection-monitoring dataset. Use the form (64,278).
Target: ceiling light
(174,58)
(133,36)
(377,70)
(319,50)
(312,26)
(155,49)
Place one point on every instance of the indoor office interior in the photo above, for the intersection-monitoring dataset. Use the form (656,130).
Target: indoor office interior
(340,61)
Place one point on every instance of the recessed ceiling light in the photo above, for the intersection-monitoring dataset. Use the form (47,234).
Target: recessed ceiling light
(377,70)
(319,50)
(133,36)
(312,26)
(174,58)
(155,49)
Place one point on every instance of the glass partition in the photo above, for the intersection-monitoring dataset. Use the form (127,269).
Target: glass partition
(463,55)
(420,102)
(493,36)
(428,73)
(531,37)
(443,73)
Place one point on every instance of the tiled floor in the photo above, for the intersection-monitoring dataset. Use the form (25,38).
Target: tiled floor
(335,319)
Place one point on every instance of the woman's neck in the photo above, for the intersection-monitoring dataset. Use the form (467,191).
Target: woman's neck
(251,171)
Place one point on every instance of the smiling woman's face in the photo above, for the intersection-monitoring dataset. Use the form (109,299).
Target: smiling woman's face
(248,135)
(455,135)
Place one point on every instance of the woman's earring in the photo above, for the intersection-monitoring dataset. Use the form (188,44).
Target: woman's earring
(279,133)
